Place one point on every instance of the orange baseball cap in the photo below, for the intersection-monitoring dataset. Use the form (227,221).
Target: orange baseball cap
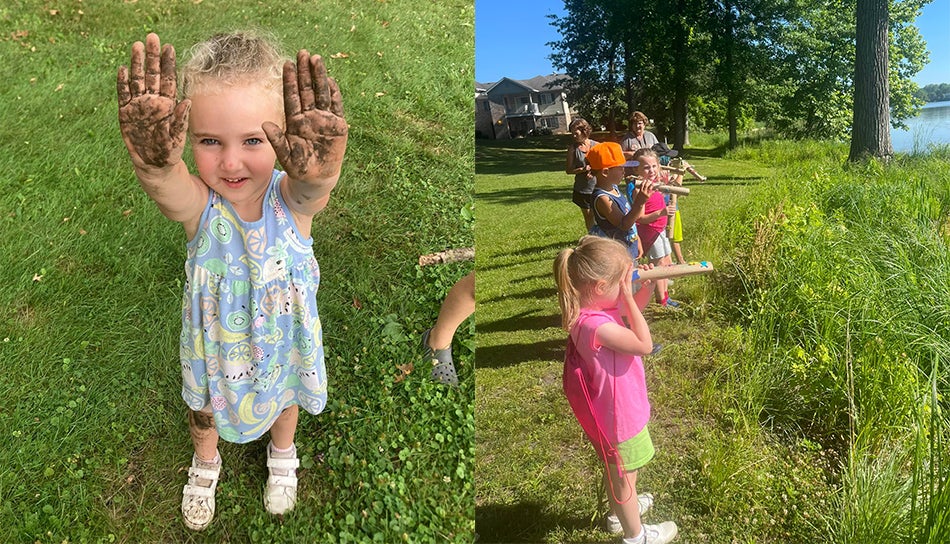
(605,155)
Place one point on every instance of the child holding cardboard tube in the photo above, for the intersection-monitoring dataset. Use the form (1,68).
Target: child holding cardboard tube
(651,225)
(615,215)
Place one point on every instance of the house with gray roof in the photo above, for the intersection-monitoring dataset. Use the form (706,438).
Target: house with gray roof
(512,108)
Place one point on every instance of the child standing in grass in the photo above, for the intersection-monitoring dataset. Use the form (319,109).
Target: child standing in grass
(651,225)
(251,342)
(577,165)
(615,216)
(603,373)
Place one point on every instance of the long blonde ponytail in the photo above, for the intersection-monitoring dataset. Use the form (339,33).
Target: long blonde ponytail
(577,270)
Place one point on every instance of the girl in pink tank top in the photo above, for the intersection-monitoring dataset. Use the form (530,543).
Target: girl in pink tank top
(603,374)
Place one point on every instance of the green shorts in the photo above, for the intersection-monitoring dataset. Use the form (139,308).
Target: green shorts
(637,451)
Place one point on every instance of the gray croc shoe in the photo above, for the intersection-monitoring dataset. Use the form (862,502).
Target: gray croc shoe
(443,369)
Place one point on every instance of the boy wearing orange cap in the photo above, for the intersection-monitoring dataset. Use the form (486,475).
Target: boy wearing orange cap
(615,217)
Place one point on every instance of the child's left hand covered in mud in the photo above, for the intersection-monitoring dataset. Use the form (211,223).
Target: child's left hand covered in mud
(311,146)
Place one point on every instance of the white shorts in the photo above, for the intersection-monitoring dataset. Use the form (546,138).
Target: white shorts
(661,247)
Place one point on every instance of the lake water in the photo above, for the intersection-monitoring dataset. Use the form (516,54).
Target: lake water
(931,126)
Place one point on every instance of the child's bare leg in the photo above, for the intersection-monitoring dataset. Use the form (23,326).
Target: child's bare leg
(204,435)
(588,218)
(678,252)
(197,500)
(661,285)
(629,511)
(458,305)
(283,430)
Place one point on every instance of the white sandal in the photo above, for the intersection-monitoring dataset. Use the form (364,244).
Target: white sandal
(197,501)
(280,494)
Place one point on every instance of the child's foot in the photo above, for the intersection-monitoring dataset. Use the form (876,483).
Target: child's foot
(655,534)
(280,494)
(613,522)
(443,368)
(197,498)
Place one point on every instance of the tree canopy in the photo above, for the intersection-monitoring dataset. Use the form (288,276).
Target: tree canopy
(934,92)
(786,63)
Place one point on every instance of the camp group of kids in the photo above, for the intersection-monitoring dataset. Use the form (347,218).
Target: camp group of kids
(601,307)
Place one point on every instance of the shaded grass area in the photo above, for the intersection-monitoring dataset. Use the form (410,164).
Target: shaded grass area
(95,444)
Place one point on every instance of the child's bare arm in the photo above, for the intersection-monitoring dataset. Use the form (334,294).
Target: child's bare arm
(153,125)
(642,297)
(311,147)
(635,340)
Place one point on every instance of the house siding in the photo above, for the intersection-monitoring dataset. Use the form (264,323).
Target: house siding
(512,108)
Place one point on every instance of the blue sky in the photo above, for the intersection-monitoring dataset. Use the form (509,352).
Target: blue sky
(510,39)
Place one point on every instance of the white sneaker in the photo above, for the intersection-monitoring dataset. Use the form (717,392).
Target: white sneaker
(613,522)
(659,534)
(197,498)
(280,494)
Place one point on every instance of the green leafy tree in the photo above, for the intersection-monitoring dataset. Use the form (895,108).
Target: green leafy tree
(934,92)
(592,52)
(788,63)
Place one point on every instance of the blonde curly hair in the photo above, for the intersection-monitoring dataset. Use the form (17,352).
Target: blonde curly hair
(235,58)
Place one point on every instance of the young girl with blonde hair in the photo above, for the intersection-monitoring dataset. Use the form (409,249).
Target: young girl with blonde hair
(251,348)
(603,374)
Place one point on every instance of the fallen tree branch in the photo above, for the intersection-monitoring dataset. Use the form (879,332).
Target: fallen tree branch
(448,256)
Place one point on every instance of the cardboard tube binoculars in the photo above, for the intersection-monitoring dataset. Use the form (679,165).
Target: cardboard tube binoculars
(672,271)
(671,189)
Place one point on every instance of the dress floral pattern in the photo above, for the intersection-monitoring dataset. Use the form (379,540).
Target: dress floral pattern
(251,339)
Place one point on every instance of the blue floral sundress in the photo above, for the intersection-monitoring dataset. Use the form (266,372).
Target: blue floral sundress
(251,339)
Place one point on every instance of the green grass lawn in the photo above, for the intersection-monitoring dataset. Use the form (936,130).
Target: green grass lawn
(801,392)
(718,481)
(94,445)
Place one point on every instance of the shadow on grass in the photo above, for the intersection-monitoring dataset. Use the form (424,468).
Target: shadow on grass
(726,181)
(498,162)
(533,155)
(545,253)
(717,152)
(526,321)
(523,522)
(521,195)
(513,354)
(541,294)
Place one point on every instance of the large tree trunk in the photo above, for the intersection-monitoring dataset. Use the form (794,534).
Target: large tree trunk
(870,131)
(680,77)
(732,93)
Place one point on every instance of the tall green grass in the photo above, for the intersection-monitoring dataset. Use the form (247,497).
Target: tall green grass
(94,443)
(844,274)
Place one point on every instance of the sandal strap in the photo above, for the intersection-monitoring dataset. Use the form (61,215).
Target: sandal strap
(206,473)
(284,464)
(198,491)
(282,481)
